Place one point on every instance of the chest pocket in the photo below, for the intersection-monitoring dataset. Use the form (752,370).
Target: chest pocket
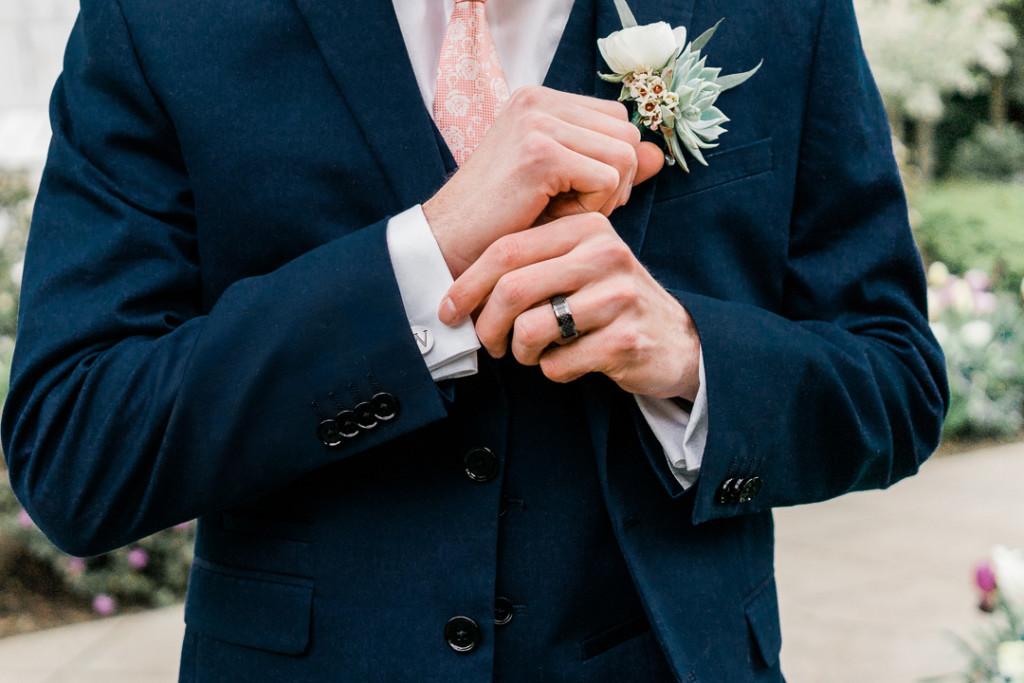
(724,166)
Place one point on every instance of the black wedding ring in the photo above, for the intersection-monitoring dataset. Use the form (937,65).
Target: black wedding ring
(566,323)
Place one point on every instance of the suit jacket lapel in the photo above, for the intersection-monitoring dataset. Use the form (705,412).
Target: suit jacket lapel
(360,37)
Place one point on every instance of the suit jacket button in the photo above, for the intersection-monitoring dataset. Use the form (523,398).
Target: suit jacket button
(480,464)
(328,433)
(385,406)
(348,426)
(502,610)
(365,415)
(462,634)
(751,487)
(723,496)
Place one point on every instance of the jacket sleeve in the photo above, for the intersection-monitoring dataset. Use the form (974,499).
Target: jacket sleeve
(844,389)
(132,405)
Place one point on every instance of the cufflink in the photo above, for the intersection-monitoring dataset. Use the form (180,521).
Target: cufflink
(424,338)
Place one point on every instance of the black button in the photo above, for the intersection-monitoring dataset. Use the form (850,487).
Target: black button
(328,433)
(385,406)
(462,634)
(480,464)
(751,487)
(348,426)
(364,415)
(724,493)
(502,610)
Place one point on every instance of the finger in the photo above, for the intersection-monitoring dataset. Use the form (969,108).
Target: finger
(650,160)
(512,252)
(617,153)
(570,362)
(615,126)
(592,308)
(519,290)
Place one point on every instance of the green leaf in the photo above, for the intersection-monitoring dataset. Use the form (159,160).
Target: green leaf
(611,78)
(625,14)
(676,152)
(733,80)
(703,38)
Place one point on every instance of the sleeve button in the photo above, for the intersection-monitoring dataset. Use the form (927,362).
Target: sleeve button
(385,406)
(348,426)
(365,415)
(328,433)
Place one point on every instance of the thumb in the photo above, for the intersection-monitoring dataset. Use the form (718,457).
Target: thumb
(650,159)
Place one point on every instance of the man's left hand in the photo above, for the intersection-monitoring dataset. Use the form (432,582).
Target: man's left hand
(630,328)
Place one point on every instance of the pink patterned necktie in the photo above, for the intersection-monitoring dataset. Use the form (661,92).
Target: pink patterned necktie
(471,85)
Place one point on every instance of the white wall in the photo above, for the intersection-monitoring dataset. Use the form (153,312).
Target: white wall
(33,34)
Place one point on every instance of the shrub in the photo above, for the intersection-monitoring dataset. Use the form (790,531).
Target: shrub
(969,225)
(982,334)
(990,153)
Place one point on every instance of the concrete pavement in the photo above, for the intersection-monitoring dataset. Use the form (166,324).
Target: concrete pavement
(869,584)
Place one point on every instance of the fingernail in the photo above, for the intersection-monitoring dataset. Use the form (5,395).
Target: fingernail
(447,313)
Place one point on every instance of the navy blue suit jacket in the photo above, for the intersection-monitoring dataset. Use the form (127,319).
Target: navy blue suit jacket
(207,279)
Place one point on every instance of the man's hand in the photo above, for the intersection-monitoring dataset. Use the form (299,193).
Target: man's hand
(548,154)
(631,329)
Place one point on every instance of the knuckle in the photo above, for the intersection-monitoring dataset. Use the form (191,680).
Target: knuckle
(628,340)
(620,110)
(536,147)
(595,221)
(617,253)
(507,251)
(509,290)
(527,96)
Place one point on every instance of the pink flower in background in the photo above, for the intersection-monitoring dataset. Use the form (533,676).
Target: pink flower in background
(985,302)
(24,521)
(984,577)
(184,526)
(978,279)
(104,605)
(75,566)
(138,558)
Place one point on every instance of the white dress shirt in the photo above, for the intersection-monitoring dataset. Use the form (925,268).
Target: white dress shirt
(526,35)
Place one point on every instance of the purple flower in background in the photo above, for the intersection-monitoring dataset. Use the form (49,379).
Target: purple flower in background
(138,558)
(104,605)
(75,566)
(978,279)
(985,302)
(984,577)
(184,526)
(24,521)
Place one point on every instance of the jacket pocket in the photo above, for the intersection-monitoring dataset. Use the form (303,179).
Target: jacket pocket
(762,610)
(254,609)
(724,166)
(612,637)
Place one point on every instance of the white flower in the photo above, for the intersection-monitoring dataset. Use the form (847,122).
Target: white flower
(941,333)
(1010,659)
(977,333)
(962,296)
(1008,565)
(938,274)
(639,48)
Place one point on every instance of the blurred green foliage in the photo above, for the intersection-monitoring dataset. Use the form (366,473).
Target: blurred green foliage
(974,224)
(991,153)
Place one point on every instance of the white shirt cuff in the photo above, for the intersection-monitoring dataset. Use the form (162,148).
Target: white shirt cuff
(681,433)
(423,279)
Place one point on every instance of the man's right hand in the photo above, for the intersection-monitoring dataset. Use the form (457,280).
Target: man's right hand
(548,154)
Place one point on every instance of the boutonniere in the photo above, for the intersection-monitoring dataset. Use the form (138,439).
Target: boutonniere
(670,83)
